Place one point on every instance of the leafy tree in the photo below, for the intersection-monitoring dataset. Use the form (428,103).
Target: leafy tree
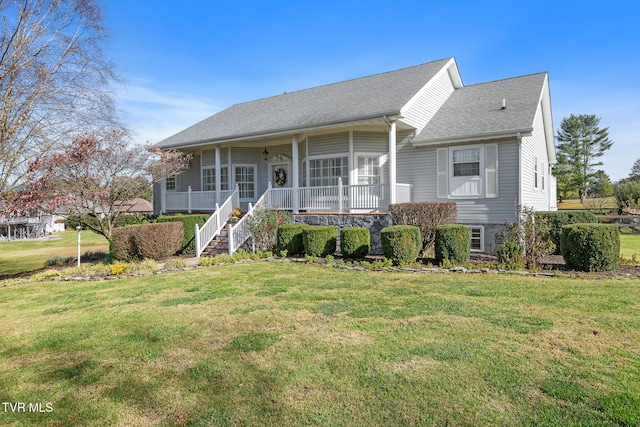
(581,142)
(635,170)
(92,176)
(602,185)
(54,79)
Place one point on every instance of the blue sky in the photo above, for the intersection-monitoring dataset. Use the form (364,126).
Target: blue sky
(184,61)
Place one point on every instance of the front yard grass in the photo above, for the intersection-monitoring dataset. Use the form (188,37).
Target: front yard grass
(290,344)
(19,256)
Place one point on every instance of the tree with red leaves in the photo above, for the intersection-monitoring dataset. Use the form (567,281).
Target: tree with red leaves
(92,177)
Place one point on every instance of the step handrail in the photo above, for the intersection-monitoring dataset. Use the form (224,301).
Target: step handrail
(240,233)
(216,222)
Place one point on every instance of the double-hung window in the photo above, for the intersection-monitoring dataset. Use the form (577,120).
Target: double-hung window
(369,170)
(170,183)
(466,167)
(326,171)
(209,178)
(245,176)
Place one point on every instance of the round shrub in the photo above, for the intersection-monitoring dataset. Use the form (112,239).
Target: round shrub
(453,243)
(289,238)
(320,240)
(355,242)
(591,247)
(401,243)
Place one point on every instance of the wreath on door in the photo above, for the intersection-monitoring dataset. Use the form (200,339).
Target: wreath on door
(281,176)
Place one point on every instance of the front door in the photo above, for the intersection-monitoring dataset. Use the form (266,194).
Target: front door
(279,176)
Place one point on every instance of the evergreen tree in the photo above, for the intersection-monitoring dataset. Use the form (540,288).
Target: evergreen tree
(580,142)
(635,170)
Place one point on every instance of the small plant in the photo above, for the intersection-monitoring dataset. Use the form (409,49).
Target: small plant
(117,269)
(511,255)
(533,233)
(175,264)
(264,225)
(45,275)
(235,214)
(283,253)
(59,261)
(329,259)
(311,258)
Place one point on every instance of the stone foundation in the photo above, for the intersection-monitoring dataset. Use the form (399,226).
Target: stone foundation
(374,222)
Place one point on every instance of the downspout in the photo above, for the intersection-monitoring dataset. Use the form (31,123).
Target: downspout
(392,159)
(520,172)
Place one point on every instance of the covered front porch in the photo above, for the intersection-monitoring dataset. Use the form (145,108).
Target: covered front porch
(347,170)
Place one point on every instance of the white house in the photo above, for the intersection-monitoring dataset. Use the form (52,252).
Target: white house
(415,134)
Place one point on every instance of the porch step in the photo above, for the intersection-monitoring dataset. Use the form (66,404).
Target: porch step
(219,245)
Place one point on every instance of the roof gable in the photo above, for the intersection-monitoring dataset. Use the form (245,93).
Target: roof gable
(341,102)
(475,111)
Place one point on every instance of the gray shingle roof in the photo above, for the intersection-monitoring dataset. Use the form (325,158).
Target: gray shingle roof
(476,109)
(350,100)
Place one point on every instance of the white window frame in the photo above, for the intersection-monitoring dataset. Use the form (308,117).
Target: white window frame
(240,183)
(170,183)
(223,169)
(535,172)
(345,178)
(480,229)
(479,179)
(382,159)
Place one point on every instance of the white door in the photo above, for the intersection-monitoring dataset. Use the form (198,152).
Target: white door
(368,192)
(280,184)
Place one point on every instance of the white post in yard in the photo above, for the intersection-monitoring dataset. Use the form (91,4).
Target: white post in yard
(189,199)
(392,162)
(79,229)
(294,174)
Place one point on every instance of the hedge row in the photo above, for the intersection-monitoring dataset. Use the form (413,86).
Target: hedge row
(188,245)
(559,219)
(156,241)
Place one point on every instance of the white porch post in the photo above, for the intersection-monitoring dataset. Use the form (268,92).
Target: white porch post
(218,175)
(189,199)
(392,162)
(294,174)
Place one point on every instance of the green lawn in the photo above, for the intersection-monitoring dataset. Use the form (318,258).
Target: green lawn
(18,256)
(290,344)
(630,245)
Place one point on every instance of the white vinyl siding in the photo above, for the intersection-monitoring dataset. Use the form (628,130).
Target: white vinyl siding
(533,168)
(428,101)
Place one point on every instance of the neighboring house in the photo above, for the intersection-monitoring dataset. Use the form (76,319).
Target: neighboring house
(415,134)
(137,205)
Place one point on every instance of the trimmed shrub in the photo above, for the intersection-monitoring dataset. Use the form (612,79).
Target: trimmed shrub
(559,219)
(320,240)
(123,246)
(289,238)
(158,241)
(511,255)
(591,247)
(453,243)
(401,243)
(424,215)
(188,245)
(355,242)
(628,196)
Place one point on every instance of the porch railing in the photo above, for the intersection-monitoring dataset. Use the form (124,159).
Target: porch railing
(215,223)
(240,233)
(193,200)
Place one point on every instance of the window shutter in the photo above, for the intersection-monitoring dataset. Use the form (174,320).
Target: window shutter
(443,172)
(491,170)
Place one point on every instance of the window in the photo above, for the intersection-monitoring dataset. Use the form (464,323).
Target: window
(368,170)
(477,238)
(170,183)
(325,172)
(209,178)
(246,181)
(535,172)
(542,175)
(466,162)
